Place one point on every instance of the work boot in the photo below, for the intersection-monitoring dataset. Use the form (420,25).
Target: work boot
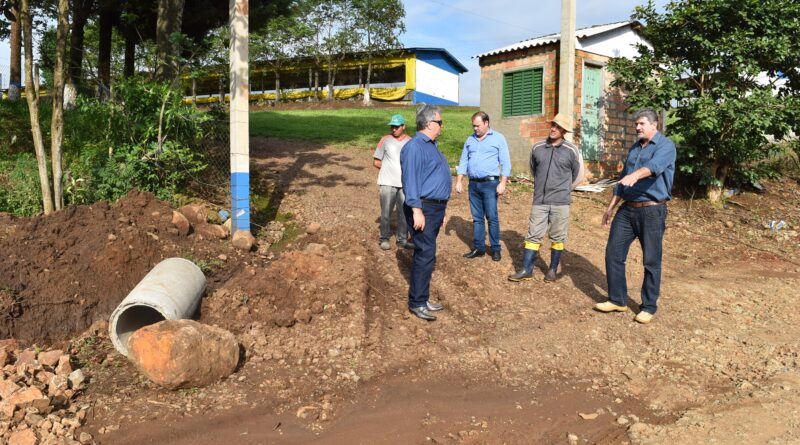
(526,273)
(555,257)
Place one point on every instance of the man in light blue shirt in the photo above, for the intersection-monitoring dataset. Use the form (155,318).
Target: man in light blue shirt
(486,161)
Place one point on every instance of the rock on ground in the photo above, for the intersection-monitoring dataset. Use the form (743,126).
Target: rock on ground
(183,353)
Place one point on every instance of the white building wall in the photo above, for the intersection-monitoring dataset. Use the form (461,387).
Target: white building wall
(436,82)
(617,43)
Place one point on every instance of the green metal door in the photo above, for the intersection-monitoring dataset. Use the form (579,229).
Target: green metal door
(590,112)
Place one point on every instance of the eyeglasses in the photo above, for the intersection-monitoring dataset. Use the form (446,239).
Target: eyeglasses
(438,122)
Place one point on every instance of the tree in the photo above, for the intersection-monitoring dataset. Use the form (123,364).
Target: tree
(14,31)
(339,41)
(32,96)
(732,69)
(57,120)
(170,15)
(380,23)
(277,43)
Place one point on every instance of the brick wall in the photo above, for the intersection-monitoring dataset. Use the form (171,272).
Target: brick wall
(617,132)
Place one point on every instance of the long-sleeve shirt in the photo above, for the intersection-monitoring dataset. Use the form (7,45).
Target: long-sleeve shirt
(487,157)
(424,170)
(556,169)
(659,157)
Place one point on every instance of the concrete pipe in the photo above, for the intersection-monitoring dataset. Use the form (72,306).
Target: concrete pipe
(171,291)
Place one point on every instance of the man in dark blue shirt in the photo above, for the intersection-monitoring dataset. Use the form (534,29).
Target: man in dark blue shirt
(427,184)
(644,188)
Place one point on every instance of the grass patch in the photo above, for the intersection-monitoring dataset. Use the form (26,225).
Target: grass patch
(291,231)
(358,127)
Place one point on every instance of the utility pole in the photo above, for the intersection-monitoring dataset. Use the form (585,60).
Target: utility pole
(239,117)
(566,76)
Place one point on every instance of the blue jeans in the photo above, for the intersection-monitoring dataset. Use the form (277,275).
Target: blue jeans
(646,224)
(424,258)
(483,205)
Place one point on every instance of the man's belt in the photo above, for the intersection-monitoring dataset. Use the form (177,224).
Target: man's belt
(433,201)
(484,179)
(638,204)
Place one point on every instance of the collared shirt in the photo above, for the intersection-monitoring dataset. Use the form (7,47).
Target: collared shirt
(487,157)
(425,171)
(388,152)
(659,157)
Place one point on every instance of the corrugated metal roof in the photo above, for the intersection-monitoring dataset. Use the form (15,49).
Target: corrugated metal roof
(555,37)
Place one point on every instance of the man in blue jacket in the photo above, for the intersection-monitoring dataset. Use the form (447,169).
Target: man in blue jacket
(486,161)
(644,189)
(427,184)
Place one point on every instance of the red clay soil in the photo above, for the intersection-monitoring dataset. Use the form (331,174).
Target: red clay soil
(62,272)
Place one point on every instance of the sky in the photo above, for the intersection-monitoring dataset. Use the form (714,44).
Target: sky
(469,27)
(466,28)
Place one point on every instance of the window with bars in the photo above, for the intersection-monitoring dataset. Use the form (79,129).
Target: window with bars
(522,92)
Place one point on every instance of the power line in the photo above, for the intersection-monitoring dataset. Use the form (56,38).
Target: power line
(483,16)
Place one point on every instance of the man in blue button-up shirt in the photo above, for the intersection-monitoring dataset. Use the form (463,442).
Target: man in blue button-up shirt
(644,187)
(486,161)
(427,184)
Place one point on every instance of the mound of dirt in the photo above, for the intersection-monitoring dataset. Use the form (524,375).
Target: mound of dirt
(64,271)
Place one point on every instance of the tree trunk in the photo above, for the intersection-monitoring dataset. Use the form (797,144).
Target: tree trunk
(310,79)
(277,86)
(57,121)
(222,90)
(720,173)
(367,97)
(316,85)
(33,107)
(80,14)
(15,74)
(130,54)
(194,90)
(331,79)
(170,17)
(104,50)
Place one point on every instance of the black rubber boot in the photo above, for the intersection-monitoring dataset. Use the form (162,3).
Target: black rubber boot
(526,273)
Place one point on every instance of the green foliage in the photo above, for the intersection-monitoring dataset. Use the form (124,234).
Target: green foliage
(113,146)
(732,69)
(15,128)
(19,189)
(359,127)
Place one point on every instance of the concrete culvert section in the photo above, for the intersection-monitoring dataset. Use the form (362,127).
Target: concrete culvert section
(170,291)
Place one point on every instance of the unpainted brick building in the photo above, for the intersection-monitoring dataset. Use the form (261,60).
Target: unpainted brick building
(519,91)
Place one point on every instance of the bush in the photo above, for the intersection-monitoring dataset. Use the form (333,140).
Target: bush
(113,146)
(19,189)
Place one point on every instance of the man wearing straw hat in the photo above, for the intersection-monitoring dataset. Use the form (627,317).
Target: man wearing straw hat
(556,166)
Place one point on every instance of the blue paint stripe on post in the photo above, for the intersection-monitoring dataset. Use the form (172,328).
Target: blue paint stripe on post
(240,202)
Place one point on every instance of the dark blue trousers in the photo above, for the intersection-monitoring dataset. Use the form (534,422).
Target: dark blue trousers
(646,224)
(424,252)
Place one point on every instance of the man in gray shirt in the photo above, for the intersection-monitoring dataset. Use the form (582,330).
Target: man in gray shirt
(556,166)
(387,159)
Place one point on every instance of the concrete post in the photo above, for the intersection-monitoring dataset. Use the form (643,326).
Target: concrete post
(566,68)
(239,117)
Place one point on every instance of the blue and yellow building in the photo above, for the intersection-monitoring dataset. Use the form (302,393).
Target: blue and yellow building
(410,75)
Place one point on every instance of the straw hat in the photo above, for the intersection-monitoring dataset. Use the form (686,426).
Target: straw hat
(563,121)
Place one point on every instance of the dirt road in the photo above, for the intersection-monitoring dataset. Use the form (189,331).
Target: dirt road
(334,357)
